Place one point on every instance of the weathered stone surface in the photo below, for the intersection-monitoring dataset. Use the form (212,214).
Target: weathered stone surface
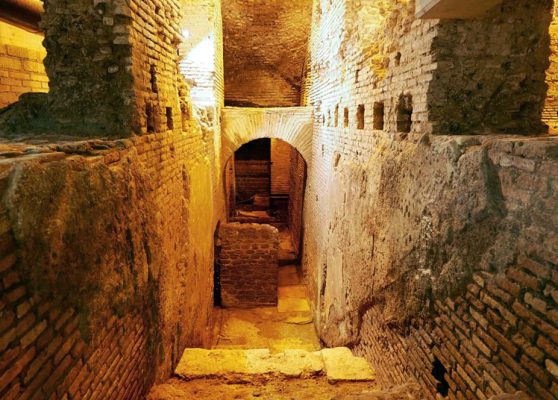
(341,365)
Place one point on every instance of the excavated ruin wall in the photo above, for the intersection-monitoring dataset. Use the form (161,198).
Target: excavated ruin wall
(427,252)
(101,246)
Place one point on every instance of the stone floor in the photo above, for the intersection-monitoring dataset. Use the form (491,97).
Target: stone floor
(273,353)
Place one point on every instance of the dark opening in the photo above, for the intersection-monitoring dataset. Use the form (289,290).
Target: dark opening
(150,118)
(346,117)
(379,116)
(404,113)
(153,79)
(336,116)
(328,117)
(439,373)
(360,116)
(217,301)
(170,123)
(357,73)
(397,59)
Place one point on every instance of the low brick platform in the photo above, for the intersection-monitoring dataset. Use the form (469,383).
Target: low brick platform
(249,265)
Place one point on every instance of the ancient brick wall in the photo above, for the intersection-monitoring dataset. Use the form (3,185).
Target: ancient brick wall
(280,164)
(107,317)
(21,63)
(408,68)
(396,225)
(550,113)
(249,265)
(252,177)
(264,52)
(131,51)
(297,178)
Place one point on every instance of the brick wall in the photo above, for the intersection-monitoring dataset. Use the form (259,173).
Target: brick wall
(252,177)
(395,59)
(249,265)
(297,178)
(264,52)
(423,247)
(111,315)
(550,113)
(21,64)
(280,164)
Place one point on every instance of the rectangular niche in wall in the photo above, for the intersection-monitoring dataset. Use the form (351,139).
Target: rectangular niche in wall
(150,118)
(360,116)
(379,116)
(336,116)
(170,123)
(346,117)
(404,113)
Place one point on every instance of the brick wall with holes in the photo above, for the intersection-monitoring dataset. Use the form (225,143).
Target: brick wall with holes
(65,334)
(21,64)
(420,249)
(249,265)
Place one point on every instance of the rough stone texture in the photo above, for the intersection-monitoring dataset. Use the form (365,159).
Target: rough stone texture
(397,226)
(264,51)
(21,64)
(249,265)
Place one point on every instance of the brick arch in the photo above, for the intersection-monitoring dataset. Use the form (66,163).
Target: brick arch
(290,124)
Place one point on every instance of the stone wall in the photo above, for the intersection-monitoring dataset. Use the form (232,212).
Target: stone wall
(398,225)
(264,52)
(98,263)
(249,265)
(21,63)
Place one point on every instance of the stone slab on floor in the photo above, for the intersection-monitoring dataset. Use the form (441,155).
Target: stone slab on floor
(338,364)
(342,366)
(202,363)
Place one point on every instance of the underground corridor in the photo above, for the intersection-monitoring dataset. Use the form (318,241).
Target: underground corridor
(279,199)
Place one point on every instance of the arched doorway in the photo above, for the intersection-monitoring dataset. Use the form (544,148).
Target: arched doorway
(264,183)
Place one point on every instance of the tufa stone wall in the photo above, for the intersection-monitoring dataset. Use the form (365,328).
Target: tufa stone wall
(108,317)
(21,64)
(249,265)
(397,226)
(264,52)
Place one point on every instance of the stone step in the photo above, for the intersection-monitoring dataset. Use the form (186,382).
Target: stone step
(338,364)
